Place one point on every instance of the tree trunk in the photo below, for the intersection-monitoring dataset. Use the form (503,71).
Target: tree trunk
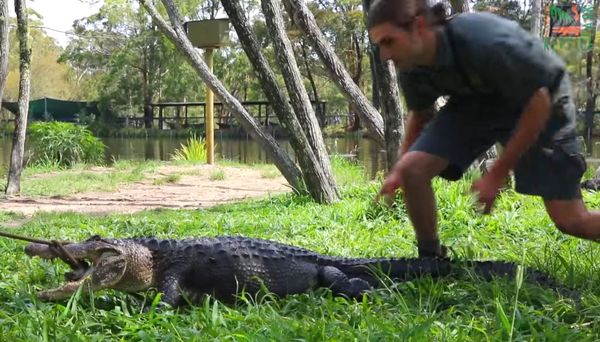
(3,46)
(302,17)
(147,98)
(356,72)
(177,35)
(146,71)
(312,171)
(536,18)
(320,175)
(388,97)
(373,60)
(18,149)
(313,85)
(391,108)
(590,102)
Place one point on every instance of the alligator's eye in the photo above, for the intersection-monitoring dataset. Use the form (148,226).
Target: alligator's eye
(109,253)
(95,238)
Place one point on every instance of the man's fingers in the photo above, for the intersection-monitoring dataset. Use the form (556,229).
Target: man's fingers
(488,207)
(386,199)
(387,196)
(389,200)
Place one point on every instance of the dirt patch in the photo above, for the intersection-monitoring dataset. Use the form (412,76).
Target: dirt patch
(172,187)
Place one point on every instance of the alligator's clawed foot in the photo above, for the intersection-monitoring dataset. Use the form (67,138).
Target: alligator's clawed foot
(160,307)
(341,285)
(357,287)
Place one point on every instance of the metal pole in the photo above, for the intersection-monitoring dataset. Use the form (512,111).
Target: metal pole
(208,124)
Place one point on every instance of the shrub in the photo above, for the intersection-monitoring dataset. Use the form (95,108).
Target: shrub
(194,150)
(64,143)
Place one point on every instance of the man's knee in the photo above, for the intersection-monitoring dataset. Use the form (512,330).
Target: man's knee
(567,216)
(418,167)
(409,173)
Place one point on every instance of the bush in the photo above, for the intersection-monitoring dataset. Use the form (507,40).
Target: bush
(194,150)
(64,144)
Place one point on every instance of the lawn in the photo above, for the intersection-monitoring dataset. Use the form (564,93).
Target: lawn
(423,310)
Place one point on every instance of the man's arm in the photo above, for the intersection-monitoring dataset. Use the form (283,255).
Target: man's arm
(414,125)
(528,128)
(531,123)
(417,119)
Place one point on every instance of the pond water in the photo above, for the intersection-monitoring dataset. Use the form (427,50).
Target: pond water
(245,151)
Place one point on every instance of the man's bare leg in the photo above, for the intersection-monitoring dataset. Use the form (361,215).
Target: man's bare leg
(573,218)
(417,169)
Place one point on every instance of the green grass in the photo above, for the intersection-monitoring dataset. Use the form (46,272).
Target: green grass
(50,180)
(270,174)
(10,216)
(173,178)
(217,175)
(420,310)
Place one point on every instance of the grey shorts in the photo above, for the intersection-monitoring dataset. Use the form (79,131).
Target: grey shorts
(463,130)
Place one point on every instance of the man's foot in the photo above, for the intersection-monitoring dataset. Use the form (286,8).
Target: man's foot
(432,249)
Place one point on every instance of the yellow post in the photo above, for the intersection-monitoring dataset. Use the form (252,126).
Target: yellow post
(208,114)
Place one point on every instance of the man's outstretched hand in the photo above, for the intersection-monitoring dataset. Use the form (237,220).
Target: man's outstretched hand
(388,190)
(487,189)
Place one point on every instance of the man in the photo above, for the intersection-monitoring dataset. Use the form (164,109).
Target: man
(503,87)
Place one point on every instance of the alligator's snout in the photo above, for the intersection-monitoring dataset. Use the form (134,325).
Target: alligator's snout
(41,250)
(113,264)
(90,250)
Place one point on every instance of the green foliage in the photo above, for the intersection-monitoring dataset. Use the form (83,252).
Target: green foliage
(336,130)
(510,9)
(49,76)
(64,144)
(270,174)
(424,309)
(193,150)
(135,63)
(51,180)
(217,175)
(174,178)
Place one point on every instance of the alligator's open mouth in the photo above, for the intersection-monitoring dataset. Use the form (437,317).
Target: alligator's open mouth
(87,260)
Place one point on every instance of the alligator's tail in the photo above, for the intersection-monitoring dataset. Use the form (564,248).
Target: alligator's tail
(376,271)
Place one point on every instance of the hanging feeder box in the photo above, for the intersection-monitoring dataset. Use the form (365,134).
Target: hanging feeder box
(209,33)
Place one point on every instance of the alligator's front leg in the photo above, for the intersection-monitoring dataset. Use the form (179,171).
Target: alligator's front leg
(171,291)
(340,284)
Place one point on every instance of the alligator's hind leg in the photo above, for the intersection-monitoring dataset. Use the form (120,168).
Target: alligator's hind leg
(340,284)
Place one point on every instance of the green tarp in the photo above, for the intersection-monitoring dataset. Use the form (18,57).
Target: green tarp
(46,108)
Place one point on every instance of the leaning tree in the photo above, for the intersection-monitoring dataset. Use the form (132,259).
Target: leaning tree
(293,107)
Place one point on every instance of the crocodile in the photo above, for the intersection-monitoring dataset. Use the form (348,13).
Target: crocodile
(186,270)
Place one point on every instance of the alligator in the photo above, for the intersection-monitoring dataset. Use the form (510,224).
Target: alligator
(592,184)
(185,270)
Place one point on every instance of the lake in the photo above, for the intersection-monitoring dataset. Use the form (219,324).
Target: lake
(245,151)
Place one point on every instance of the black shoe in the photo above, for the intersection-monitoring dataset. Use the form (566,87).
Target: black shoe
(440,253)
